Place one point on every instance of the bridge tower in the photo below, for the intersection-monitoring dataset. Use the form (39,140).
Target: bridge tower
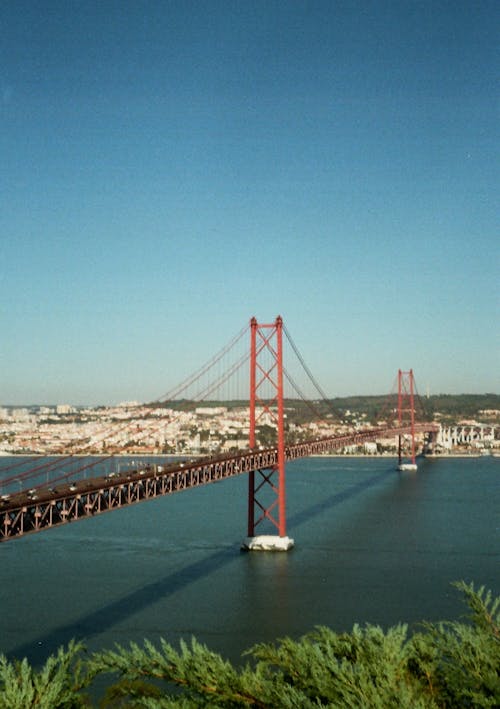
(266,488)
(406,409)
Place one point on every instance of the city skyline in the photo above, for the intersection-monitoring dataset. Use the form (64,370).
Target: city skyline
(171,170)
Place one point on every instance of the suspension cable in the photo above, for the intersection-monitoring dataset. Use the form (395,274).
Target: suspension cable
(53,465)
(320,391)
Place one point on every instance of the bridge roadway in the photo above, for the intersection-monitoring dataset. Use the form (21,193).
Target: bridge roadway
(28,512)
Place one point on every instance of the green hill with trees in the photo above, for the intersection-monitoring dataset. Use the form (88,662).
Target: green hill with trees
(448,408)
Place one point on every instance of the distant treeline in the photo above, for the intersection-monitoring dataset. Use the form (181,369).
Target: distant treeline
(378,406)
(454,405)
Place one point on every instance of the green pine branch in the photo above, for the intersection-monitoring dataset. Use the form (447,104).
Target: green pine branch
(452,664)
(58,685)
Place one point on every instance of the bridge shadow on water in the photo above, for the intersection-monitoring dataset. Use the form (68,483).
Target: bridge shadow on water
(113,613)
(333,500)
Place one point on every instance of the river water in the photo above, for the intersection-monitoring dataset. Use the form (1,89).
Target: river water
(372,545)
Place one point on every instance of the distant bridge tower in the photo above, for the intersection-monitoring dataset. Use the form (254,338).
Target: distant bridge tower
(406,409)
(266,488)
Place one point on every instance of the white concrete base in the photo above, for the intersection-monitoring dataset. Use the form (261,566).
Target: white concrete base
(408,466)
(267,542)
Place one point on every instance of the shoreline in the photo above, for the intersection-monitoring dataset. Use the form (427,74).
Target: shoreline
(495,454)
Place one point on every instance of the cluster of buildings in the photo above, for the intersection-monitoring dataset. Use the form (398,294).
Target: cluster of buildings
(134,429)
(128,428)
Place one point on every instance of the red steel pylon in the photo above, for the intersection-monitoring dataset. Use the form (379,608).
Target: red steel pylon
(406,406)
(266,375)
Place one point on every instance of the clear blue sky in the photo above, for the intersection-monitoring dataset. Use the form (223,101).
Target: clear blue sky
(169,169)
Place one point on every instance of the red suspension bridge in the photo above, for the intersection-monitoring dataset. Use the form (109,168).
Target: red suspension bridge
(73,496)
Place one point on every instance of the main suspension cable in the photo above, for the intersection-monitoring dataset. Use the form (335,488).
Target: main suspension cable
(320,391)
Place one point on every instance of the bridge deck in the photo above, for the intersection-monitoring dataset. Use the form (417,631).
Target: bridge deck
(40,509)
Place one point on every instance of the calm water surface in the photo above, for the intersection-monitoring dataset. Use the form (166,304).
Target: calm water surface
(372,545)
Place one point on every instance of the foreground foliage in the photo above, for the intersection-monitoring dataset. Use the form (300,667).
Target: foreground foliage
(448,664)
(58,684)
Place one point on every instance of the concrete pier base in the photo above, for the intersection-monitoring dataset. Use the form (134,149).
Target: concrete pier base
(267,542)
(408,466)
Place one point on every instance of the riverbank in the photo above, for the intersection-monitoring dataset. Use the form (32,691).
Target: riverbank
(180,456)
